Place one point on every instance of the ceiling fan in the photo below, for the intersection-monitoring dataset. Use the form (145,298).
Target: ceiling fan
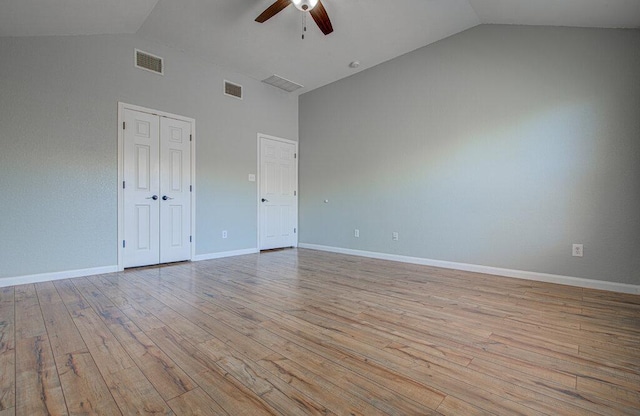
(314,7)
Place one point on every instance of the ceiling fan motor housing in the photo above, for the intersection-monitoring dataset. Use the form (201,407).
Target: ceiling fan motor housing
(304,5)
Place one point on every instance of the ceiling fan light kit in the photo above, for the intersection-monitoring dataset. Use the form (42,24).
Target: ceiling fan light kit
(305,5)
(314,7)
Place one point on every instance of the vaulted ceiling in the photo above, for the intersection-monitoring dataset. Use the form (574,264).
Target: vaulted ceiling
(369,31)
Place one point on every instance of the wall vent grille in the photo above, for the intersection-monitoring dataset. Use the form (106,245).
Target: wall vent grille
(149,62)
(232,90)
(282,83)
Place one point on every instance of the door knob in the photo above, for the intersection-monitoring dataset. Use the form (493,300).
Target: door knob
(265,200)
(164,197)
(155,197)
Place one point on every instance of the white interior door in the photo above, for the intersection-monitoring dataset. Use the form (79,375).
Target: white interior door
(157,189)
(175,183)
(278,193)
(141,243)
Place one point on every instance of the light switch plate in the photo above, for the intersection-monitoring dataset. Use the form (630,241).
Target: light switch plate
(577,250)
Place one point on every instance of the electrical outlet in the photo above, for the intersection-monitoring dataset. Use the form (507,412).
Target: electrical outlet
(394,236)
(224,234)
(578,250)
(356,233)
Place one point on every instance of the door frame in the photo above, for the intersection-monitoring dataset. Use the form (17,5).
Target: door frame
(258,184)
(121,108)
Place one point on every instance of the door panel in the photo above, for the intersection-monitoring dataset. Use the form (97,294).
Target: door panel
(175,180)
(143,220)
(141,176)
(278,181)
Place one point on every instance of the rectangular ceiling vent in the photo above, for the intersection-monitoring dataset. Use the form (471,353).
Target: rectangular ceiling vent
(149,62)
(232,90)
(283,84)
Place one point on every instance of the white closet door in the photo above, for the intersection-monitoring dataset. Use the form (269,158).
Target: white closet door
(175,182)
(157,189)
(141,189)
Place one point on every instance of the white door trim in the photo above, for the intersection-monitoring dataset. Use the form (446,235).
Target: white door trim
(121,108)
(258,183)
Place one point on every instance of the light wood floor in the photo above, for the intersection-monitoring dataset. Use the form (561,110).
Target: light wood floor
(306,332)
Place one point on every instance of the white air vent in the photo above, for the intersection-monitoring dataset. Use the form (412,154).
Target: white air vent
(148,62)
(283,84)
(232,90)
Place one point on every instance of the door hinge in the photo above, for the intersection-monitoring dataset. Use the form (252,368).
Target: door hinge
(294,230)
(124,244)
(295,155)
(191,137)
(123,125)
(190,188)
(294,193)
(123,185)
(190,239)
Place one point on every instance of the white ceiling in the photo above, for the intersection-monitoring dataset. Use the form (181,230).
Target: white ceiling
(369,31)
(72,17)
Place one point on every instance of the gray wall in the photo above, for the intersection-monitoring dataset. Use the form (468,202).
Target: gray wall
(58,146)
(500,146)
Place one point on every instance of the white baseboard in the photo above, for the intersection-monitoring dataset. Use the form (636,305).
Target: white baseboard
(47,277)
(211,256)
(518,274)
(68,274)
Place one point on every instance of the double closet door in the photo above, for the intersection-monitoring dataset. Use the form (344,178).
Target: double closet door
(157,189)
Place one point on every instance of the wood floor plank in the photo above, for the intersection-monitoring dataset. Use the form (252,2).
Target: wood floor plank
(85,390)
(7,295)
(47,293)
(134,394)
(11,411)
(38,389)
(188,357)
(70,294)
(452,406)
(62,331)
(317,387)
(29,321)
(106,350)
(7,349)
(164,374)
(231,395)
(609,391)
(197,403)
(280,395)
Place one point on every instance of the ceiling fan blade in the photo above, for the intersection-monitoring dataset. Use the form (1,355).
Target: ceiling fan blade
(272,10)
(321,18)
